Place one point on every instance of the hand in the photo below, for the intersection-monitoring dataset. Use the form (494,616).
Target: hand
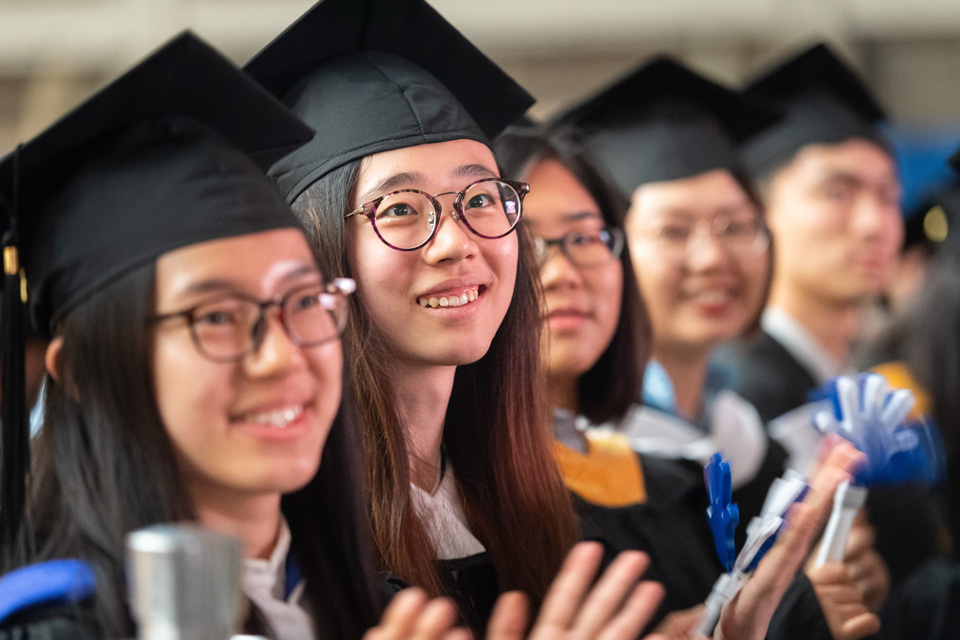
(680,625)
(616,607)
(412,616)
(748,614)
(864,565)
(842,604)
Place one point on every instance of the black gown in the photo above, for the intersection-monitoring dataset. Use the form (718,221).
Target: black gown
(670,525)
(905,519)
(57,622)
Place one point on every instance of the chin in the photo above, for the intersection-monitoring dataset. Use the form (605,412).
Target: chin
(467,351)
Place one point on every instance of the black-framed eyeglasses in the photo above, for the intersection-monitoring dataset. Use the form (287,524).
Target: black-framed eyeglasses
(408,218)
(230,326)
(583,248)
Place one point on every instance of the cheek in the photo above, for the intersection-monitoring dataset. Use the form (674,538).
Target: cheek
(502,256)
(185,402)
(755,271)
(327,365)
(606,287)
(658,282)
(380,273)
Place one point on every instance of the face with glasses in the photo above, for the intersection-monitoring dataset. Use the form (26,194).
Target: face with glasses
(700,252)
(431,246)
(579,266)
(246,362)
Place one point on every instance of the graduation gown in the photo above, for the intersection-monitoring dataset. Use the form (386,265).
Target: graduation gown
(733,428)
(57,622)
(663,514)
(464,564)
(768,376)
(904,518)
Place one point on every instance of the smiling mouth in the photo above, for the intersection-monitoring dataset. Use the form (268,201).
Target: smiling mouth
(278,419)
(469,295)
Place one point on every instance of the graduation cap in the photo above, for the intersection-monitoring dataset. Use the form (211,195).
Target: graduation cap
(168,155)
(825,102)
(665,122)
(380,75)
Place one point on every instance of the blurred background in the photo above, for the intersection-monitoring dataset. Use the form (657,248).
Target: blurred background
(53,53)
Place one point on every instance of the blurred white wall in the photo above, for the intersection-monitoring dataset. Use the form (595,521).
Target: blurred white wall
(54,52)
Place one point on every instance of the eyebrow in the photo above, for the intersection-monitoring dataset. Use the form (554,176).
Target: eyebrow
(391,183)
(839,175)
(405,178)
(474,170)
(218,285)
(577,216)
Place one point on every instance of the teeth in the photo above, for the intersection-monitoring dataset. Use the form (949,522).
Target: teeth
(468,296)
(277,419)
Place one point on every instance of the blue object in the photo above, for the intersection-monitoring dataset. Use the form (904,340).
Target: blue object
(763,530)
(722,514)
(52,582)
(897,451)
(292,576)
(658,388)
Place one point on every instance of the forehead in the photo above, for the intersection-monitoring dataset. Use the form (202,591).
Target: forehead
(255,263)
(702,195)
(557,198)
(856,158)
(434,167)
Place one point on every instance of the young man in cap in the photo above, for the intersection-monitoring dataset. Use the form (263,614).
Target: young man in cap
(829,183)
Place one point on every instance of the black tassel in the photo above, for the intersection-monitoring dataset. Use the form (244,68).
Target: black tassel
(15,453)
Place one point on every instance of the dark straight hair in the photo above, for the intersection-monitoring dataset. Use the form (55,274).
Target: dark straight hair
(105,466)
(495,435)
(612,385)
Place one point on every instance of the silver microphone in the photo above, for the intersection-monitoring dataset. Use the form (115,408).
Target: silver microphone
(184,582)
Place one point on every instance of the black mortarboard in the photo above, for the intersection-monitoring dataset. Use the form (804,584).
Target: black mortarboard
(665,122)
(380,75)
(159,159)
(825,102)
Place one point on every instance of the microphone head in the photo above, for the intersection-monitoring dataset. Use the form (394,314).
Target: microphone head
(184,582)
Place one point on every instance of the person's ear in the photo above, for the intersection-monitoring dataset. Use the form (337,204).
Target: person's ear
(52,358)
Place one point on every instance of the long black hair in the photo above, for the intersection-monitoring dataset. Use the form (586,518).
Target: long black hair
(105,466)
(612,385)
(495,435)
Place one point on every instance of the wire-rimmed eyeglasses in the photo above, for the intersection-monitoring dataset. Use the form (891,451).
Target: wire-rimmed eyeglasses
(583,248)
(408,218)
(230,326)
(741,234)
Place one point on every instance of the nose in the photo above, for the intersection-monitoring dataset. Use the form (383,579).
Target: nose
(874,215)
(451,241)
(705,250)
(276,352)
(558,272)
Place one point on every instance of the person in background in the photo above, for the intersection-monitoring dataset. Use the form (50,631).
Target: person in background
(919,351)
(595,344)
(698,246)
(828,181)
(829,184)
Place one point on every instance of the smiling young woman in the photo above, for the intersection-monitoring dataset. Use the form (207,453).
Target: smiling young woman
(195,368)
(441,348)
